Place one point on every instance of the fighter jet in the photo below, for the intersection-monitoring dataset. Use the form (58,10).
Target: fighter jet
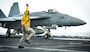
(49,19)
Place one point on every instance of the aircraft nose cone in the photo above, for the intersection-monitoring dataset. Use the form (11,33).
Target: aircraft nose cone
(77,22)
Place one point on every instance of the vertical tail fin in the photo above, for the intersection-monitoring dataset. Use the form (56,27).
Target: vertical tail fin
(2,15)
(14,10)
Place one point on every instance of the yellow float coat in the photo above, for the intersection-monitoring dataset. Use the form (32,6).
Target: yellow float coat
(25,21)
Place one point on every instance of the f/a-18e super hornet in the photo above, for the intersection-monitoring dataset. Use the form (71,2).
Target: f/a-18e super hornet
(48,19)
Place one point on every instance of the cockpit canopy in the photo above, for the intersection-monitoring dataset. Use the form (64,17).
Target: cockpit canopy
(51,11)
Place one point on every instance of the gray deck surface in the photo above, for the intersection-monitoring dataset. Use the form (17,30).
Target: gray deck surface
(39,44)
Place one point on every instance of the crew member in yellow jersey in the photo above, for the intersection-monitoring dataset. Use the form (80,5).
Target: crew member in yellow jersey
(27,31)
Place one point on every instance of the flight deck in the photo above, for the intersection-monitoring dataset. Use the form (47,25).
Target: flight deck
(39,44)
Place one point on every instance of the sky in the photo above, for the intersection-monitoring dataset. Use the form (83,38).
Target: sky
(76,8)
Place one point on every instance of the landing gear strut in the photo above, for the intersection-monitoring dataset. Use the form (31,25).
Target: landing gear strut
(47,33)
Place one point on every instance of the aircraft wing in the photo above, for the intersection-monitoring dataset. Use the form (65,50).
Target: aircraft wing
(31,17)
(20,17)
(7,19)
(39,17)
